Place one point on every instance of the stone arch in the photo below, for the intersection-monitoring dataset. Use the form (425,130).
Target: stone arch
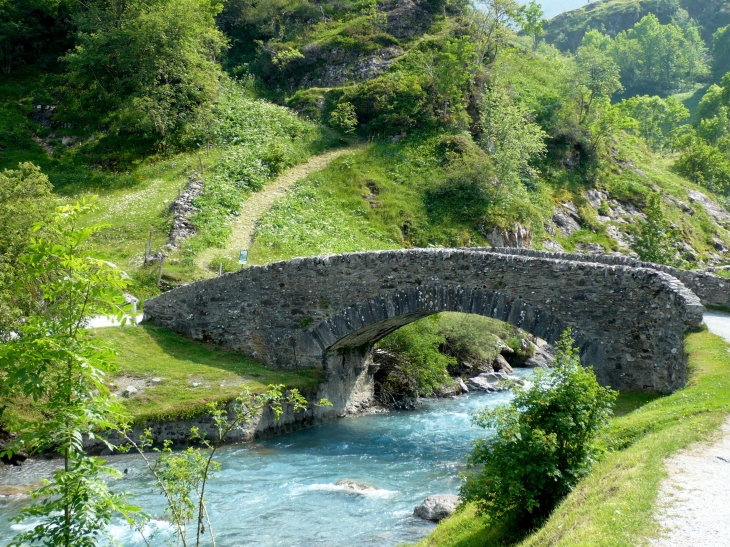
(628,321)
(367,322)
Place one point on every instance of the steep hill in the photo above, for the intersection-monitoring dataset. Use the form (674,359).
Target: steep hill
(613,16)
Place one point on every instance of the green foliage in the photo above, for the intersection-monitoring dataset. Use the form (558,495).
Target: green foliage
(510,137)
(390,104)
(30,29)
(598,74)
(418,344)
(259,141)
(721,52)
(659,58)
(55,363)
(158,59)
(703,163)
(25,199)
(616,503)
(545,441)
(531,21)
(657,119)
(344,118)
(656,240)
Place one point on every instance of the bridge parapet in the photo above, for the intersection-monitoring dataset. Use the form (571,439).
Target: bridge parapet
(712,289)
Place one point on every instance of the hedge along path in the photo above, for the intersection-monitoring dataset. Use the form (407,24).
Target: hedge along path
(258,203)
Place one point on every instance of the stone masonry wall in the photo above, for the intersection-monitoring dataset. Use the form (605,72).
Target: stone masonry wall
(712,289)
(328,311)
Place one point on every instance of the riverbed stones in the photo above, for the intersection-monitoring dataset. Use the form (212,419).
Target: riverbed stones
(437,507)
(130,391)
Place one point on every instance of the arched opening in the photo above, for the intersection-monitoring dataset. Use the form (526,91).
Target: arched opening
(348,337)
(449,354)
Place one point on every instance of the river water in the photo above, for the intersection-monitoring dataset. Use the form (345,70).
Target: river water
(282,491)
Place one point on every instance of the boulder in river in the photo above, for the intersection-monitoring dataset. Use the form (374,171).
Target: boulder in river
(500,364)
(542,357)
(437,507)
(487,381)
(355,486)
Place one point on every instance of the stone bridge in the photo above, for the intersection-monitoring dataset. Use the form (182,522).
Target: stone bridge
(628,321)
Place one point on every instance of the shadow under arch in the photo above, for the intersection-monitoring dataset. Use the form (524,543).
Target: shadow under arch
(358,327)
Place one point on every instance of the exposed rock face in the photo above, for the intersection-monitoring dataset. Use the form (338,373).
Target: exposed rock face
(567,219)
(183,211)
(437,507)
(407,18)
(718,213)
(518,236)
(542,356)
(553,246)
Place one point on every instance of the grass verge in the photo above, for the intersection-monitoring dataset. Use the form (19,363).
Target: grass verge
(193,374)
(614,506)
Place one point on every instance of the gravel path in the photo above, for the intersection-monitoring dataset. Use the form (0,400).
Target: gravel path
(694,500)
(258,203)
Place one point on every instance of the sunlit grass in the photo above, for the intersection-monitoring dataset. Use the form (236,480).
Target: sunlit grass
(614,506)
(147,352)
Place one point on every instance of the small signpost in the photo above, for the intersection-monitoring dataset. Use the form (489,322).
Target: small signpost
(243,258)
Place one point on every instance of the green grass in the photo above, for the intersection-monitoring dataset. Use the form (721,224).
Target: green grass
(614,506)
(146,352)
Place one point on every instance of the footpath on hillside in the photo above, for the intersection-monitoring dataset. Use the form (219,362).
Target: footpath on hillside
(694,499)
(258,203)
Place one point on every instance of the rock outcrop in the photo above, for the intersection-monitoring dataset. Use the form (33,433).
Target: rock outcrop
(437,507)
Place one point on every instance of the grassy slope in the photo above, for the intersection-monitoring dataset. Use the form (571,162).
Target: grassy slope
(614,505)
(147,352)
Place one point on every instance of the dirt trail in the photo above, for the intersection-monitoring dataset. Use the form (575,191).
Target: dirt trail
(694,500)
(258,203)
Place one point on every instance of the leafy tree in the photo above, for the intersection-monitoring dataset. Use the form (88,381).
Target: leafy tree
(721,52)
(598,75)
(391,103)
(606,120)
(25,199)
(656,57)
(147,67)
(56,364)
(509,136)
(531,21)
(447,72)
(31,28)
(490,25)
(423,364)
(703,163)
(544,441)
(656,118)
(656,240)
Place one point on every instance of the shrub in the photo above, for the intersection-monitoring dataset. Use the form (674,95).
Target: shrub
(418,344)
(343,118)
(391,104)
(544,442)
